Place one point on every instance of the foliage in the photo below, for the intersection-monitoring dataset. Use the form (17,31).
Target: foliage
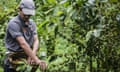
(75,35)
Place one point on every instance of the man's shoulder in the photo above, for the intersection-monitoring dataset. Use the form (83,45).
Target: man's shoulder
(13,23)
(13,20)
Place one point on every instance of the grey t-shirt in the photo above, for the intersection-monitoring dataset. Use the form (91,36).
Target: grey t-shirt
(16,27)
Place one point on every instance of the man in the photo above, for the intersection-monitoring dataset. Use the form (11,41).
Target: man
(21,38)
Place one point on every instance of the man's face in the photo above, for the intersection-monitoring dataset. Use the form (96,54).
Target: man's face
(24,16)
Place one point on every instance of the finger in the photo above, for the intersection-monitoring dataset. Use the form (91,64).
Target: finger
(31,62)
(41,66)
(28,61)
(44,66)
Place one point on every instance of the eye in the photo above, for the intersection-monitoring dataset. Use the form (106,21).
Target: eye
(27,15)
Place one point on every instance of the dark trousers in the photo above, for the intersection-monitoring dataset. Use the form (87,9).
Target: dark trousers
(8,65)
(8,69)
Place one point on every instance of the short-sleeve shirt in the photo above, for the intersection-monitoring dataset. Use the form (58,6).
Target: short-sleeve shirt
(17,27)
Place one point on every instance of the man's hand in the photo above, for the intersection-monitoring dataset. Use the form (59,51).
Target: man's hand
(31,61)
(42,64)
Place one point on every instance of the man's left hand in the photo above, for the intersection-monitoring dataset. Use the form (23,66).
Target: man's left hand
(31,61)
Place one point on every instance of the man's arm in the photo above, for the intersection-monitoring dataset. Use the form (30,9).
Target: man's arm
(29,52)
(35,48)
(35,44)
(26,48)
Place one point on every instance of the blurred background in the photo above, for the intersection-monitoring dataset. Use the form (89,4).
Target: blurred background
(75,35)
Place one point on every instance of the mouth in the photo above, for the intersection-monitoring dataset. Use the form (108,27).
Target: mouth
(26,19)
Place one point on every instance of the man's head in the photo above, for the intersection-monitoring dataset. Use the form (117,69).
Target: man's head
(27,8)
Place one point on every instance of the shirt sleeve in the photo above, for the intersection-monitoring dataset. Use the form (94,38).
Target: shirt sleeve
(14,30)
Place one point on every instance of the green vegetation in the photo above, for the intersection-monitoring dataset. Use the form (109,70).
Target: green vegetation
(75,35)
